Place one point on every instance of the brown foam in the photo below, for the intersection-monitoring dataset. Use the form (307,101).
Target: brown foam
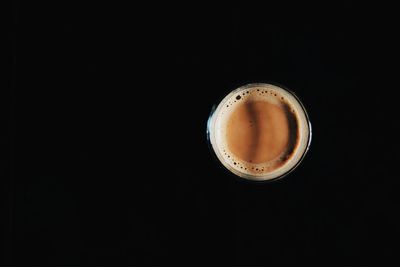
(260,132)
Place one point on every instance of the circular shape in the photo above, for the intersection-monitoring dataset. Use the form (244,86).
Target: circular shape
(259,132)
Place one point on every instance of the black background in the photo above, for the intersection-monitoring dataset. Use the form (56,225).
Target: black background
(109,160)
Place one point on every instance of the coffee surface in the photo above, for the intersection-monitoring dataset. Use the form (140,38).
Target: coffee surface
(258,131)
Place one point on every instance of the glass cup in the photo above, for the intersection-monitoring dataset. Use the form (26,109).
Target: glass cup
(284,163)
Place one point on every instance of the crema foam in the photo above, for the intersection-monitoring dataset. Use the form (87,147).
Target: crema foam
(260,131)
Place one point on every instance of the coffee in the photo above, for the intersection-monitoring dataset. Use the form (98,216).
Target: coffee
(259,131)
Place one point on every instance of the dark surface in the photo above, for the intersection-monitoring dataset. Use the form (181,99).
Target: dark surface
(110,160)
